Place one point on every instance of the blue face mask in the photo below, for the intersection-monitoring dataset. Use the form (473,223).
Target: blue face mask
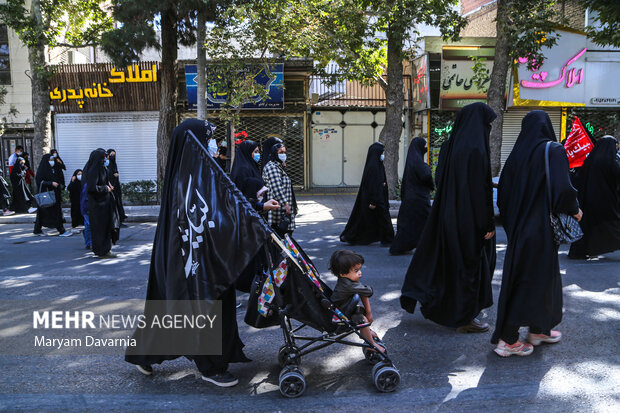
(106,162)
(382,157)
(256,157)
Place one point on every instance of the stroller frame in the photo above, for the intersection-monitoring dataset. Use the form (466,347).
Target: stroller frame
(292,380)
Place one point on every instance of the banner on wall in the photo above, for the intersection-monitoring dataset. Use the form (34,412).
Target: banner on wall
(457,88)
(272,81)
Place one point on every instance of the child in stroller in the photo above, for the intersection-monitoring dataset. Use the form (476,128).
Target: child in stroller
(294,290)
(350,295)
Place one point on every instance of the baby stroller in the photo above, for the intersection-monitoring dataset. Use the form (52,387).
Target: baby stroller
(294,291)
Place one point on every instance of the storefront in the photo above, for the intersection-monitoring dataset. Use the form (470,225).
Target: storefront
(99,106)
(283,115)
(577,78)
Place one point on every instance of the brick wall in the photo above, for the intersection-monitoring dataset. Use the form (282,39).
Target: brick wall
(482,21)
(467,6)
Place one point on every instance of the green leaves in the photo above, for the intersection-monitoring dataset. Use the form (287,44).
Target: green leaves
(605,15)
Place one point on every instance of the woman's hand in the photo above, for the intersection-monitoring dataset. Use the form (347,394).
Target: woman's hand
(371,206)
(116,175)
(55,184)
(73,178)
(489,235)
(578,215)
(271,205)
(287,208)
(110,188)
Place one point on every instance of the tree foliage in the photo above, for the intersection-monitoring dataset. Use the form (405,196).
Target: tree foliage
(606,19)
(69,23)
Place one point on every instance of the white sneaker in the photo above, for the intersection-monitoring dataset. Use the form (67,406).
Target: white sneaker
(32,209)
(66,234)
(7,213)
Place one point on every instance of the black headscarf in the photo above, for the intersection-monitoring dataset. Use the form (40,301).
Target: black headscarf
(244,166)
(45,172)
(274,153)
(112,167)
(60,164)
(451,270)
(267,145)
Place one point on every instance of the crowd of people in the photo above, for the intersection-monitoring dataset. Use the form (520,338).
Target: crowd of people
(454,239)
(94,192)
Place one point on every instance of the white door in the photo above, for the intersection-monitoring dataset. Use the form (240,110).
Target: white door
(326,148)
(132,134)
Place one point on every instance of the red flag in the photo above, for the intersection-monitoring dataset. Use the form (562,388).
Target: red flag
(578,145)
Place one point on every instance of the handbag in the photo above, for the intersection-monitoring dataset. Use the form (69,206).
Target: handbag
(566,228)
(45,199)
(252,316)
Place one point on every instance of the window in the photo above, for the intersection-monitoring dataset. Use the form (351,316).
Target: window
(5,65)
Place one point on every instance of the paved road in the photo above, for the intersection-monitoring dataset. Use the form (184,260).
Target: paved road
(441,371)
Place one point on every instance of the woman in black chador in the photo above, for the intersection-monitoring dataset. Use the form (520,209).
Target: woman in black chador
(452,266)
(168,279)
(49,178)
(102,214)
(116,183)
(599,197)
(370,219)
(22,197)
(531,293)
(75,190)
(415,193)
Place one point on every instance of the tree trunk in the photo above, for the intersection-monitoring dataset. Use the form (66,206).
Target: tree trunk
(168,100)
(201,65)
(40,91)
(394,101)
(497,87)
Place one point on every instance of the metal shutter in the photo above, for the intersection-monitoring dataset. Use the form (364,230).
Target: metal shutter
(132,134)
(512,127)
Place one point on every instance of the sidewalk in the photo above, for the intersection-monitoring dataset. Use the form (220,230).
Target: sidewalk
(312,207)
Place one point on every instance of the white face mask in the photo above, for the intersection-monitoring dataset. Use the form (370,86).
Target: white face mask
(79,177)
(51,162)
(212,147)
(382,157)
(282,157)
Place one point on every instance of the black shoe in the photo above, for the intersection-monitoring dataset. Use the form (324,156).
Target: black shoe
(108,255)
(147,370)
(124,226)
(222,380)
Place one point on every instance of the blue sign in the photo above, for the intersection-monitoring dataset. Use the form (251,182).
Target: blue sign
(274,84)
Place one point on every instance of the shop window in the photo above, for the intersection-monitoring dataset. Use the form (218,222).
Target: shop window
(5,65)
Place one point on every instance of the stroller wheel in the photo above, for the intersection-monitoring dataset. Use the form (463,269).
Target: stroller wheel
(371,356)
(386,377)
(288,356)
(292,382)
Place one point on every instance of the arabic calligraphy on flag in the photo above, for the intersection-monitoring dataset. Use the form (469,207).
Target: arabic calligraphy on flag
(578,145)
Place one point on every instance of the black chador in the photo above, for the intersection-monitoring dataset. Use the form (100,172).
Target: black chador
(206,235)
(531,293)
(415,194)
(21,192)
(45,177)
(370,219)
(245,167)
(452,266)
(75,190)
(598,187)
(103,217)
(116,184)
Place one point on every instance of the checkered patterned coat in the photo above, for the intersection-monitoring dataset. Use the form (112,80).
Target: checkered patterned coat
(280,189)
